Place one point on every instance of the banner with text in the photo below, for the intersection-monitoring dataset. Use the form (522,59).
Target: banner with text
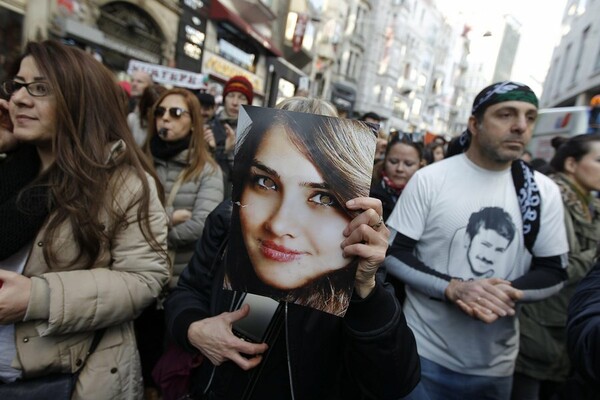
(169,76)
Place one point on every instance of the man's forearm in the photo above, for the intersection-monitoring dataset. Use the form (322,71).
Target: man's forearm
(545,278)
(404,265)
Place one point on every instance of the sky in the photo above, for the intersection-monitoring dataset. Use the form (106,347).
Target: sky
(540,30)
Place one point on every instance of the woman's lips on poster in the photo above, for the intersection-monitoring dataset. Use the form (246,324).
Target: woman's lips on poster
(275,252)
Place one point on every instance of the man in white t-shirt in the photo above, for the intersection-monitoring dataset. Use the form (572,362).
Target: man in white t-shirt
(469,249)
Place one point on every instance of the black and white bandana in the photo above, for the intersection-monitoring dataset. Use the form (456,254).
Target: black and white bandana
(494,94)
(503,91)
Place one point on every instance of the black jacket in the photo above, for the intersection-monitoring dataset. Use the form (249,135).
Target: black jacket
(369,354)
(583,327)
(388,201)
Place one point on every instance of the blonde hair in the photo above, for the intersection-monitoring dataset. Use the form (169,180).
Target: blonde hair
(308,105)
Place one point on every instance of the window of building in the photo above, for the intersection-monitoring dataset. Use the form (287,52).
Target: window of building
(582,44)
(566,60)
(597,64)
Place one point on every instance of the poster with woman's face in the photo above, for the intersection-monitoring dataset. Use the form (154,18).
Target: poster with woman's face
(293,173)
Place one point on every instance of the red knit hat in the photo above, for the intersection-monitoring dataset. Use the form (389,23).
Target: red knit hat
(126,86)
(240,84)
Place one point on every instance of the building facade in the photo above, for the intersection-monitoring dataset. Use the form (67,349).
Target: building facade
(574,74)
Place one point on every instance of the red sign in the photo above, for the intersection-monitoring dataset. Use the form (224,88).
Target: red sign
(66,4)
(299,31)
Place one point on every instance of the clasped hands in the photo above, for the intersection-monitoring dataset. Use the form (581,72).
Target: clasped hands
(485,299)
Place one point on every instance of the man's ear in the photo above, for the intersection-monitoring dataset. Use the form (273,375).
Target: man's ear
(570,165)
(473,125)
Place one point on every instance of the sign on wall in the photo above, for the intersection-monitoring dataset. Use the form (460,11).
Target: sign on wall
(169,76)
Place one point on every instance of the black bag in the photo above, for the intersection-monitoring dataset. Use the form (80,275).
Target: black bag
(58,386)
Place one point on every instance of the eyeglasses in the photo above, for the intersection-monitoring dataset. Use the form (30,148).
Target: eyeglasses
(174,112)
(36,89)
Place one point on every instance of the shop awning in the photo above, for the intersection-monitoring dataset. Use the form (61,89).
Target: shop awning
(219,12)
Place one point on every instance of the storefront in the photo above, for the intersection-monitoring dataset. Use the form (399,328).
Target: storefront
(192,34)
(284,80)
(119,32)
(235,47)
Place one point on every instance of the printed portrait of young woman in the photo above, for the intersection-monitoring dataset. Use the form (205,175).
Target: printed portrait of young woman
(293,174)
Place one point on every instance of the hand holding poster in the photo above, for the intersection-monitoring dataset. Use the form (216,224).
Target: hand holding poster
(293,174)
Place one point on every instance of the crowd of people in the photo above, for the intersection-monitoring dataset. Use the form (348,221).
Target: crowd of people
(403,270)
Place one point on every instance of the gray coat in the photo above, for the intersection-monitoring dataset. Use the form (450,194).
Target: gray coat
(543,354)
(200,196)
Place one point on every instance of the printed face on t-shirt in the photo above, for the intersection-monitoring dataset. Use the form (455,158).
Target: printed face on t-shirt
(485,251)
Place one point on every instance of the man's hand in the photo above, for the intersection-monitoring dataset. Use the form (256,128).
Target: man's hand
(230,139)
(485,299)
(216,341)
(209,136)
(14,296)
(366,238)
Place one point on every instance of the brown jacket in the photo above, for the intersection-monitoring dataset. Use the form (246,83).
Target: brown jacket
(68,303)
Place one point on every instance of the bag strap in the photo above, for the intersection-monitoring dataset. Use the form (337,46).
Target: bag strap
(530,201)
(175,189)
(97,338)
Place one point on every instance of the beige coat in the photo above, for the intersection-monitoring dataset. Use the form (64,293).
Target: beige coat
(68,303)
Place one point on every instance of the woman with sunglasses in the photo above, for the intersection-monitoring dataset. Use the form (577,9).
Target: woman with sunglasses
(83,228)
(192,180)
(193,185)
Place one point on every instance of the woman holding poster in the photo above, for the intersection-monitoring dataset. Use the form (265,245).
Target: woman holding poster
(293,175)
(369,353)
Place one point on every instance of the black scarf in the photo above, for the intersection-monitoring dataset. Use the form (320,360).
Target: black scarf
(530,201)
(167,150)
(23,208)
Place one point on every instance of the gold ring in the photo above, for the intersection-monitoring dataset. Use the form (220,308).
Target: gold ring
(378,224)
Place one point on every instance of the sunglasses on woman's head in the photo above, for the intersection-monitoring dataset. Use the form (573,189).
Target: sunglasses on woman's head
(398,136)
(174,112)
